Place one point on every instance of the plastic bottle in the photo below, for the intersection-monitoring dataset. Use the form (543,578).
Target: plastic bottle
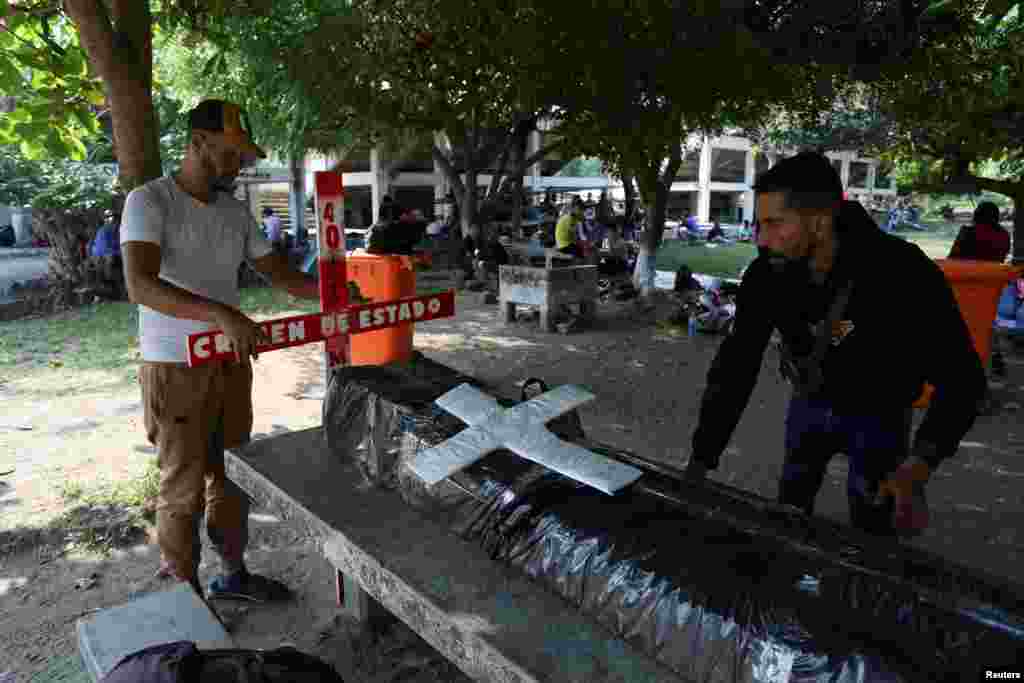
(691,326)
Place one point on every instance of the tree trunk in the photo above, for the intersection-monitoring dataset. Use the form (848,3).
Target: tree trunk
(297,195)
(468,206)
(656,201)
(630,191)
(518,161)
(120,48)
(1018,228)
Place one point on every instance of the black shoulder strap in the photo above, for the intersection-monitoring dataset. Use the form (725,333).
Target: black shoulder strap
(835,312)
(813,364)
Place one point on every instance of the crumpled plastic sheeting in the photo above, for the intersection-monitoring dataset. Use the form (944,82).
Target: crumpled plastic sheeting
(694,576)
(369,410)
(714,602)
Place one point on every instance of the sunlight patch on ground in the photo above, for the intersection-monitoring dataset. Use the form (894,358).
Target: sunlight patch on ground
(7,583)
(508,342)
(61,382)
(439,342)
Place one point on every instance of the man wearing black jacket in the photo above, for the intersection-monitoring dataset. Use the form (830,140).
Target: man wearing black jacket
(825,265)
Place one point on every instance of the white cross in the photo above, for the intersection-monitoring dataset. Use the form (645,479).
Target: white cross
(520,429)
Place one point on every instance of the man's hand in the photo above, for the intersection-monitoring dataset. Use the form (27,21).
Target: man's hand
(906,487)
(695,470)
(242,332)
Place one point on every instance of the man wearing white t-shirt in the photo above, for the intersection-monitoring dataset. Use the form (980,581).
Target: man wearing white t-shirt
(183,238)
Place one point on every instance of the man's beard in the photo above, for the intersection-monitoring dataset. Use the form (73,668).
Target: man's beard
(219,183)
(224,183)
(780,263)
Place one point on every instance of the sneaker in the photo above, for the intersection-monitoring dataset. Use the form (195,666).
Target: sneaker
(245,586)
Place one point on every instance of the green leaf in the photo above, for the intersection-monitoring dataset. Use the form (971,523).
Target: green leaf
(998,9)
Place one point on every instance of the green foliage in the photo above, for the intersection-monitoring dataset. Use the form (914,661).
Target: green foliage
(243,57)
(45,71)
(582,167)
(18,177)
(73,186)
(960,103)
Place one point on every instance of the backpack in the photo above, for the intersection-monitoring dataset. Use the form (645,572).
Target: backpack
(182,662)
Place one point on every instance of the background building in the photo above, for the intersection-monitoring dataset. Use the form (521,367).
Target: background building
(714,180)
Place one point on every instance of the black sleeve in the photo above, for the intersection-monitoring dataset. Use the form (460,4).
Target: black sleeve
(952,366)
(734,371)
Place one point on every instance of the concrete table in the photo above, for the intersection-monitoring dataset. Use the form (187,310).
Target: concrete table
(489,620)
(548,288)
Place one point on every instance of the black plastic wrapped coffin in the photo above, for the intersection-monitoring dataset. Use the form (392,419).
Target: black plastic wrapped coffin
(713,582)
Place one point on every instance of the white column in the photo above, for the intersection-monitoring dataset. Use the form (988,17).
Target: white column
(845,173)
(440,192)
(704,183)
(748,195)
(871,177)
(535,170)
(379,183)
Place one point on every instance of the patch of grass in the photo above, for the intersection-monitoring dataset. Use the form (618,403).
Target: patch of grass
(728,261)
(936,241)
(264,302)
(720,261)
(71,491)
(104,336)
(107,515)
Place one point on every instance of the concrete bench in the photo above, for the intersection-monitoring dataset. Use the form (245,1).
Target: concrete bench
(526,254)
(489,620)
(108,636)
(549,289)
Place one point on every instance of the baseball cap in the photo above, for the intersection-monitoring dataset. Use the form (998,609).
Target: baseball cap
(229,119)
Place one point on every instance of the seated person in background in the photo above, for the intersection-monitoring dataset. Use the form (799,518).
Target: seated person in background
(986,240)
(435,230)
(1011,308)
(566,230)
(716,234)
(105,250)
(272,229)
(691,223)
(615,263)
(108,239)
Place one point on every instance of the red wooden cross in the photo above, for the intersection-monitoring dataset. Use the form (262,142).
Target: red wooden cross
(337,319)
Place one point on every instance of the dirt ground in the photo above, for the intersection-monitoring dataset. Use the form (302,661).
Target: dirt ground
(647,380)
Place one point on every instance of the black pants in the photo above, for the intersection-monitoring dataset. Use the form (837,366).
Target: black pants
(875,446)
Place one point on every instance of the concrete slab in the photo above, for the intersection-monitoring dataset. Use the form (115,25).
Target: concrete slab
(490,621)
(105,638)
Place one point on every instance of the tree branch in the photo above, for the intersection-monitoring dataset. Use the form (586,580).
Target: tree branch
(500,171)
(494,148)
(1007,188)
(48,8)
(956,185)
(458,187)
(541,153)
